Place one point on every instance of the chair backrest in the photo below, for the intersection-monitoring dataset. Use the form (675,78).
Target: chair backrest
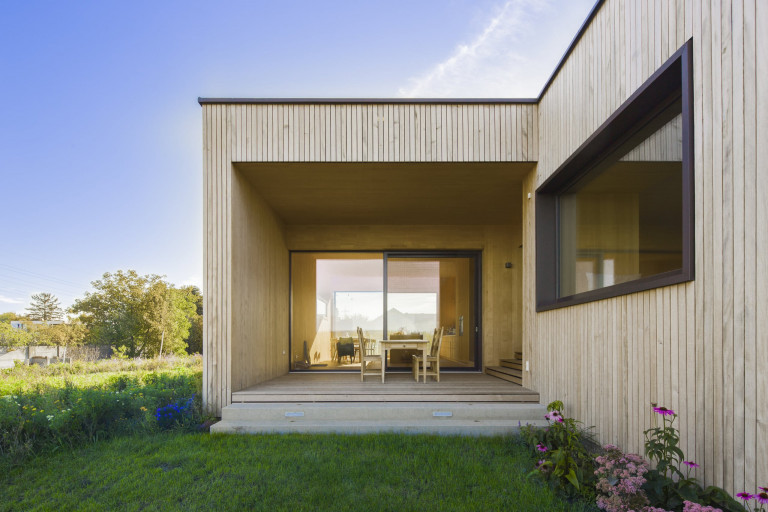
(362,342)
(437,340)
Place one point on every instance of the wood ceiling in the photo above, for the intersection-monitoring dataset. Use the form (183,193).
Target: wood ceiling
(390,193)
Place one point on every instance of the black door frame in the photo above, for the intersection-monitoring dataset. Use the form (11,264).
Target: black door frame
(476,255)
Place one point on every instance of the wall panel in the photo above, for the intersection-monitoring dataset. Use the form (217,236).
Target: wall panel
(696,347)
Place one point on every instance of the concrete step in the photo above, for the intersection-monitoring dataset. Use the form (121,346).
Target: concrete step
(441,427)
(435,418)
(509,374)
(516,364)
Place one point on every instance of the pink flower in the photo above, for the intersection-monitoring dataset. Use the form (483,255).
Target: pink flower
(690,464)
(762,497)
(689,506)
(541,447)
(763,489)
(664,411)
(745,496)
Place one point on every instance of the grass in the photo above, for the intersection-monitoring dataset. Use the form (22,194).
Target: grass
(86,437)
(45,409)
(178,471)
(40,379)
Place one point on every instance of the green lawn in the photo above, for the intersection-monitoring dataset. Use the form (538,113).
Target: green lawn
(282,472)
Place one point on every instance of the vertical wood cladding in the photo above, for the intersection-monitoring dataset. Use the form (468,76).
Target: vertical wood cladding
(245,254)
(700,348)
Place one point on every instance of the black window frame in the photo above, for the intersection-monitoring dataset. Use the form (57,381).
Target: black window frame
(672,82)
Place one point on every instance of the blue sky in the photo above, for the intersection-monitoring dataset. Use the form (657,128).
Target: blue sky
(100,132)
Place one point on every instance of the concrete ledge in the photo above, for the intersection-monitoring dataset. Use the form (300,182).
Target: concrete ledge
(441,427)
(357,418)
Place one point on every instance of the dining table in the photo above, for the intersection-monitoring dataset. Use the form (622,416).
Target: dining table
(414,344)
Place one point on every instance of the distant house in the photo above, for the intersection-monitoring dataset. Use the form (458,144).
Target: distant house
(33,353)
(612,230)
(22,324)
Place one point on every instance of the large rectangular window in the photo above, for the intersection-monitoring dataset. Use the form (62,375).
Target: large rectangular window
(623,221)
(617,216)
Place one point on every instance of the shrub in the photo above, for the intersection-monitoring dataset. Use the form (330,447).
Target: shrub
(564,459)
(53,407)
(666,485)
(621,477)
(182,414)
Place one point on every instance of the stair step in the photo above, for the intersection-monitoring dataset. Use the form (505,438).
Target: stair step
(348,411)
(517,364)
(418,417)
(441,427)
(518,355)
(509,374)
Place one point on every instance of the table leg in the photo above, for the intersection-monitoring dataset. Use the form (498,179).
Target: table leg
(383,360)
(424,356)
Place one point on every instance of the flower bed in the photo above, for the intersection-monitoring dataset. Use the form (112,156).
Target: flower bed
(620,482)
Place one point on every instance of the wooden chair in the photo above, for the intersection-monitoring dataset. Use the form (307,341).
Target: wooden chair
(345,347)
(432,363)
(367,355)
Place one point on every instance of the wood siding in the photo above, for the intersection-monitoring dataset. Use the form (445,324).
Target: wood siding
(382,133)
(700,348)
(245,257)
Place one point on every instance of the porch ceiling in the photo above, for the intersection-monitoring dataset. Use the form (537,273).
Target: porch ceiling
(391,193)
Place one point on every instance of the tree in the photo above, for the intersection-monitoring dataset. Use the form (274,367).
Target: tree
(195,338)
(59,335)
(140,315)
(44,307)
(12,338)
(7,318)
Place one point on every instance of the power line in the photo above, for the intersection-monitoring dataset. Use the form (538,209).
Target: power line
(38,274)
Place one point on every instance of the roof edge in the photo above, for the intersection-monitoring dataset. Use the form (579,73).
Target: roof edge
(569,50)
(367,101)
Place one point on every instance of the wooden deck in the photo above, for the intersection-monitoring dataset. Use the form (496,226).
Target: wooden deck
(399,387)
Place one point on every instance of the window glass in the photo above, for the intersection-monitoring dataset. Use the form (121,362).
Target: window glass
(623,220)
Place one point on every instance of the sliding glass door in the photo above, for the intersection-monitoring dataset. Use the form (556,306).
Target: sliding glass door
(429,291)
(389,295)
(332,294)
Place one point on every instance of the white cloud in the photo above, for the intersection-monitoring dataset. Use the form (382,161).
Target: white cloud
(503,61)
(9,300)
(195,280)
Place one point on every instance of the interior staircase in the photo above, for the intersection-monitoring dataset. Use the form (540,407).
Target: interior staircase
(508,369)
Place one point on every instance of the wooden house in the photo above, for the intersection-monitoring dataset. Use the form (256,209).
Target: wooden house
(612,231)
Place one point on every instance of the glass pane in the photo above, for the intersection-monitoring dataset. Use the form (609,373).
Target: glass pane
(623,221)
(332,295)
(425,293)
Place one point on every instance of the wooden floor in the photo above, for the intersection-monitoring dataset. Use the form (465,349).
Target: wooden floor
(399,387)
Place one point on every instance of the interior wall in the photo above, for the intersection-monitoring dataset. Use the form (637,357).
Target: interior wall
(260,294)
(699,348)
(501,287)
